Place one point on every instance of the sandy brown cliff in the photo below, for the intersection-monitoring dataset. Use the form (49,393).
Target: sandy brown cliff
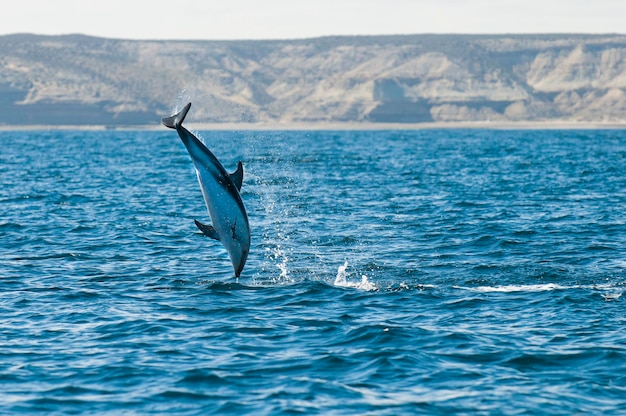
(402,79)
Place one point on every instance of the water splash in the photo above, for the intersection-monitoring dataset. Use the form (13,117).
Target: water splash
(275,239)
(342,280)
(279,258)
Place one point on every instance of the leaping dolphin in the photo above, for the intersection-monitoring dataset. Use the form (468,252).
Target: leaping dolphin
(221,195)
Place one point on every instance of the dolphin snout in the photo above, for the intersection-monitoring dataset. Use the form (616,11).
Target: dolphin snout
(239,261)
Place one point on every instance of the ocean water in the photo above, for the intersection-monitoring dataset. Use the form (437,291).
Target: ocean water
(391,272)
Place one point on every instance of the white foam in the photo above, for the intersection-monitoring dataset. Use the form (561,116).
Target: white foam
(515,288)
(610,297)
(541,288)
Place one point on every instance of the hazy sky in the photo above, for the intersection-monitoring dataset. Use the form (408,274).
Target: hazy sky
(272,19)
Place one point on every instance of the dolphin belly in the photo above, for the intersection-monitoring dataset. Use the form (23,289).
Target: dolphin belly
(228,218)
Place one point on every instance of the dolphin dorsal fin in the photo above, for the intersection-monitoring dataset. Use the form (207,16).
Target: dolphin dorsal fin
(237,176)
(207,230)
(177,119)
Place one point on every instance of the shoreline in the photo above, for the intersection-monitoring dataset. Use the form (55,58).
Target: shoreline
(485,125)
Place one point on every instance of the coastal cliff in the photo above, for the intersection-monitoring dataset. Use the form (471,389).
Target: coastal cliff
(80,80)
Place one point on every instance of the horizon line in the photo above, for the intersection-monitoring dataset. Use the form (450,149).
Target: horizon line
(385,35)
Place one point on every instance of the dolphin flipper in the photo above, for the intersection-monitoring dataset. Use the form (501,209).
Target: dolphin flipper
(207,230)
(237,176)
(177,119)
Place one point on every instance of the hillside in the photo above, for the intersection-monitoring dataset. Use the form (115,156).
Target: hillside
(79,80)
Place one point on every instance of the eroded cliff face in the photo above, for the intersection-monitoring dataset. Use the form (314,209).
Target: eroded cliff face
(83,80)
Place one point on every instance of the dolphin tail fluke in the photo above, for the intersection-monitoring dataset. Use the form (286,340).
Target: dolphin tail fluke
(237,176)
(207,230)
(177,119)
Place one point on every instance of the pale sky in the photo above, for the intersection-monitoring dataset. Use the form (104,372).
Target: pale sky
(289,19)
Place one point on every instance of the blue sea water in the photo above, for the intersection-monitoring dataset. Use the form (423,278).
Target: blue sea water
(391,272)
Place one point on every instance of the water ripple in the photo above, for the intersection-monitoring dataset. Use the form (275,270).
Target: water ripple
(391,272)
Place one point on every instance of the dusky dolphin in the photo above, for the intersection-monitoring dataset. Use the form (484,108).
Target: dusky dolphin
(221,195)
